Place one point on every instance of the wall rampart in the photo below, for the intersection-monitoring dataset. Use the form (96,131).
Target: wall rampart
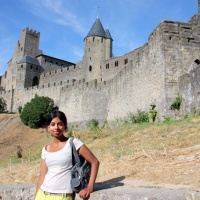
(189,88)
(81,101)
(111,67)
(60,76)
(138,85)
(180,47)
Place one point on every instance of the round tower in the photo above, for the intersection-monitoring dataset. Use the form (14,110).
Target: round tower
(97,47)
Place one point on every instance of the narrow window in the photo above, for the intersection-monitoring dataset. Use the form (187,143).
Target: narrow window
(54,84)
(126,61)
(107,66)
(101,40)
(90,68)
(93,39)
(60,82)
(31,67)
(21,66)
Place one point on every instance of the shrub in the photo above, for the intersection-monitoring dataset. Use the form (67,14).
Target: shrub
(193,111)
(93,124)
(20,109)
(167,119)
(153,114)
(140,117)
(176,104)
(35,112)
(3,105)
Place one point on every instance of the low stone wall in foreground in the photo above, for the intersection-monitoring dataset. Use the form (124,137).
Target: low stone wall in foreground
(106,192)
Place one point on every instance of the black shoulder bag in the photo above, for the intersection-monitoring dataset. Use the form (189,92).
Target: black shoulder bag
(80,171)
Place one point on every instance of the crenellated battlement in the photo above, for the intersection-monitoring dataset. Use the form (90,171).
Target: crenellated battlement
(170,32)
(31,31)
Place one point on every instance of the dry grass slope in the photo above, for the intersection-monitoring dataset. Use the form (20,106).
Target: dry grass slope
(151,155)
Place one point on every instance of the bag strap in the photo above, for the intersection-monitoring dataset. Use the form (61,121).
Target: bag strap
(74,153)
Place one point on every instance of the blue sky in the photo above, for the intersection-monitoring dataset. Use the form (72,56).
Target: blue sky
(63,24)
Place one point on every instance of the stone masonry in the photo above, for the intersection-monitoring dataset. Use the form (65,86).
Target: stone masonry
(105,87)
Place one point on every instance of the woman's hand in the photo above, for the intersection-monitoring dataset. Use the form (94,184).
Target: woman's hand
(85,193)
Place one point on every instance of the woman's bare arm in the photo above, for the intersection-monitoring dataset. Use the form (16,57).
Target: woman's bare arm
(89,156)
(43,171)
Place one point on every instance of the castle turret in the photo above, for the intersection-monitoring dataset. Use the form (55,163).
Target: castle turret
(108,44)
(97,47)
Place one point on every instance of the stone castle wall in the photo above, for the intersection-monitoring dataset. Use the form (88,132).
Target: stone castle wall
(149,75)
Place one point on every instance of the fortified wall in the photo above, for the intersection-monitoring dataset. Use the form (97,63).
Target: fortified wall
(152,75)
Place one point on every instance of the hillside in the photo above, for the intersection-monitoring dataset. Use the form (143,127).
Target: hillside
(151,155)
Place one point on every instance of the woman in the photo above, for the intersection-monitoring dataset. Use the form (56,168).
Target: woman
(54,179)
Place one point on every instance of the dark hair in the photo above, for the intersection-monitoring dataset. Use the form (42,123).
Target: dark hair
(60,115)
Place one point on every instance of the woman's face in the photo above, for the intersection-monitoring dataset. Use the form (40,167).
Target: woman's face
(56,128)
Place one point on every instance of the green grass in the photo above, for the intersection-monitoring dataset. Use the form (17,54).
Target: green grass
(126,140)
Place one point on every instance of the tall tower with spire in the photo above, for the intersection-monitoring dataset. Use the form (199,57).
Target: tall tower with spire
(97,48)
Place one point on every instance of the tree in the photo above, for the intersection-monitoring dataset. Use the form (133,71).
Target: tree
(35,112)
(3,105)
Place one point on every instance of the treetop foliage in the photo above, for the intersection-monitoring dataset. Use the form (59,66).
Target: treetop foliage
(35,112)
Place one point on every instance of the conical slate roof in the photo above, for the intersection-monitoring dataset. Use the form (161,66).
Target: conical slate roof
(98,30)
(30,60)
(107,34)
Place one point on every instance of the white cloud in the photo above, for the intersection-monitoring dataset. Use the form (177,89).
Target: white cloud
(56,13)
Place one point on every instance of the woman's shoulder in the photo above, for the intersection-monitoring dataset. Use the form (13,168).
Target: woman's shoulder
(46,147)
(77,142)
